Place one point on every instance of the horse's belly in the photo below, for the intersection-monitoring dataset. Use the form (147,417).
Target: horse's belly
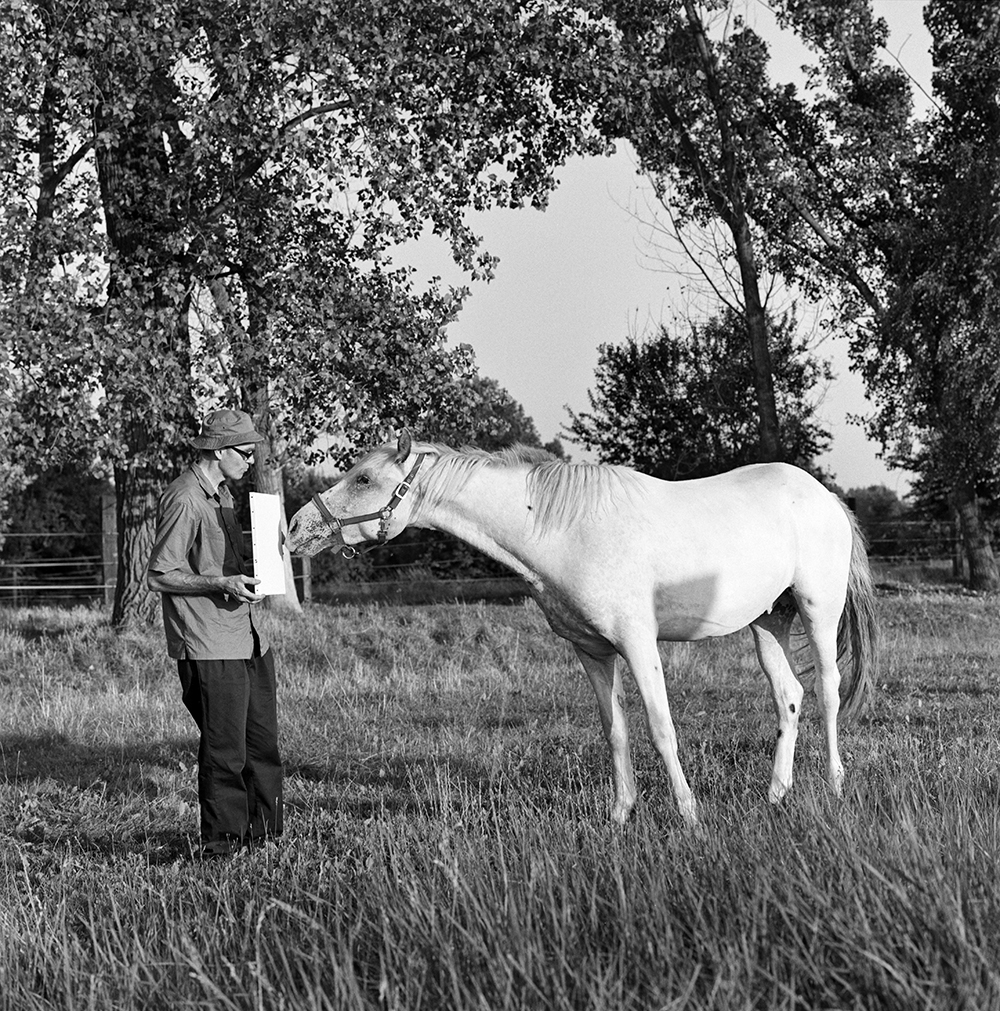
(691,591)
(712,604)
(683,610)
(686,623)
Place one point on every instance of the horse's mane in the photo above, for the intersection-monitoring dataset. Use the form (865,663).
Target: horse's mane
(560,492)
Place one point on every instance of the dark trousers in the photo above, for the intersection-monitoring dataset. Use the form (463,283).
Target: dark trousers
(234,703)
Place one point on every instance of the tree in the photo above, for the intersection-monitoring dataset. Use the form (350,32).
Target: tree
(877,504)
(890,212)
(836,187)
(494,419)
(847,193)
(934,363)
(690,106)
(681,405)
(880,513)
(686,84)
(57,516)
(184,155)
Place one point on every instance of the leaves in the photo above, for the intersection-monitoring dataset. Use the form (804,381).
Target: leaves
(683,404)
(229,225)
(204,201)
(935,366)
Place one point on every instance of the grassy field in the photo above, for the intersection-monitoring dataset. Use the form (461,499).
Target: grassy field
(448,842)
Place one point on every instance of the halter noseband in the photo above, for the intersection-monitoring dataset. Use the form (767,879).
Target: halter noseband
(383,515)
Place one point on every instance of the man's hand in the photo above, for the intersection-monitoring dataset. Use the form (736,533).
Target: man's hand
(241,587)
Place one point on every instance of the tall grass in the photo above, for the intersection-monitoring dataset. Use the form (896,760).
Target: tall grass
(448,840)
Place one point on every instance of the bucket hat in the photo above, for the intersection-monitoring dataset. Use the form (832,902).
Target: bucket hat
(226,428)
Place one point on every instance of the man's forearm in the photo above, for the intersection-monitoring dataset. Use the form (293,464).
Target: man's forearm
(187,583)
(176,581)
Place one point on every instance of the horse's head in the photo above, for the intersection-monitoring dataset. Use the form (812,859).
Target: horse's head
(369,504)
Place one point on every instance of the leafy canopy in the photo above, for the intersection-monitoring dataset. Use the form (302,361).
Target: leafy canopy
(681,405)
(224,183)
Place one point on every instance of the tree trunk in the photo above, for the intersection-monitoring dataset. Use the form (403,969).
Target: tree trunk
(148,302)
(768,429)
(725,187)
(983,573)
(136,496)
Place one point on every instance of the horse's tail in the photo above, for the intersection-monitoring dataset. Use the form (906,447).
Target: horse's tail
(857,632)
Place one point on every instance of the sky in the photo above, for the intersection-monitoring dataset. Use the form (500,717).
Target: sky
(582,273)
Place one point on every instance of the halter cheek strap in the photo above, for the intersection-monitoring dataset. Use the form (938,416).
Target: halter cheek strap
(383,515)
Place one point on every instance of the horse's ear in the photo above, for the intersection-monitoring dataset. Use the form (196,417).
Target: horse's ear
(403,446)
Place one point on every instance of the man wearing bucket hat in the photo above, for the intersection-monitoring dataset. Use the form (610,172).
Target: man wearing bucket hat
(226,667)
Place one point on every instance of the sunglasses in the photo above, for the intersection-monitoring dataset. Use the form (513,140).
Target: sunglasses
(247,454)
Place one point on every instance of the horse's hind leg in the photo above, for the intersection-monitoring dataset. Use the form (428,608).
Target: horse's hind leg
(606,680)
(771,637)
(820,622)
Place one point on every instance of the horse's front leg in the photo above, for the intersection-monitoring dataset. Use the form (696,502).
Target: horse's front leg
(643,656)
(606,680)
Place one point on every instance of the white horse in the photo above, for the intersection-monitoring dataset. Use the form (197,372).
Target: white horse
(618,560)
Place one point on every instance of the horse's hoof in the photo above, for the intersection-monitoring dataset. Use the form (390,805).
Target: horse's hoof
(777,792)
(689,811)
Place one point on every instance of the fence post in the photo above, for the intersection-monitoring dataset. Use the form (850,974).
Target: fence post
(306,562)
(958,561)
(109,546)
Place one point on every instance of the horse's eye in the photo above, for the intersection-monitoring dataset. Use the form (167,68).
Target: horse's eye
(364,479)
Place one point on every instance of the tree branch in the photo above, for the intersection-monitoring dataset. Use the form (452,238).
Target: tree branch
(663,104)
(71,162)
(252,167)
(710,66)
(838,264)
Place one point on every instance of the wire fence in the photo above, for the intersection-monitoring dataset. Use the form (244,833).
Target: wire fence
(422,569)
(68,576)
(66,579)
(402,572)
(81,580)
(913,540)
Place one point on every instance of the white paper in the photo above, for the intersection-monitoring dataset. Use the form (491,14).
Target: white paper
(268,543)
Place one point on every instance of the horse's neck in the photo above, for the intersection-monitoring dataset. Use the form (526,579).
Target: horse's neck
(490,513)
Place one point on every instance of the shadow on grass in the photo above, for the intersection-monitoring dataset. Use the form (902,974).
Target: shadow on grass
(52,755)
(363,788)
(112,799)
(64,773)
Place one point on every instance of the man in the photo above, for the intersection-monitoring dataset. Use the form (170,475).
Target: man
(226,666)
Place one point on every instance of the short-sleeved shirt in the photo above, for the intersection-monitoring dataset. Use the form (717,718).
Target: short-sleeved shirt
(197,533)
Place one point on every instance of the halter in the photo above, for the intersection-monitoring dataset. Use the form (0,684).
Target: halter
(383,515)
